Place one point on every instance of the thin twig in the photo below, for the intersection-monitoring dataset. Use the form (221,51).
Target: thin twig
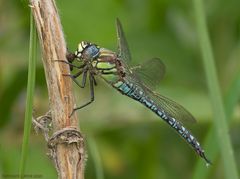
(68,156)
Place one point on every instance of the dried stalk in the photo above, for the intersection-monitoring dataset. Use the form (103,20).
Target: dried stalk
(66,144)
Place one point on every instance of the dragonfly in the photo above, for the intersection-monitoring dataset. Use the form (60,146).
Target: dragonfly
(137,82)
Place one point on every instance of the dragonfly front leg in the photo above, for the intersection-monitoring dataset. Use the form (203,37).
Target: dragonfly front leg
(91,83)
(72,65)
(73,77)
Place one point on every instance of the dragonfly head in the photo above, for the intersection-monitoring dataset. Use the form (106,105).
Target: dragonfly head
(87,51)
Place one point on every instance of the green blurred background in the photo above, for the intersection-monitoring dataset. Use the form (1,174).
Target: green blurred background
(131,141)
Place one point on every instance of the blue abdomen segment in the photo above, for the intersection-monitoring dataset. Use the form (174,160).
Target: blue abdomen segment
(138,94)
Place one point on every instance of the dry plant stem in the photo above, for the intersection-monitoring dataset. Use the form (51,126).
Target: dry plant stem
(68,156)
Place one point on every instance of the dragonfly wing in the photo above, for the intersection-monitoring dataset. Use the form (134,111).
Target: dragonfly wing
(150,72)
(123,49)
(148,75)
(163,103)
(170,107)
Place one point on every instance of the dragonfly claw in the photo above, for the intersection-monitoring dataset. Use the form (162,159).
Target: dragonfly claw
(73,111)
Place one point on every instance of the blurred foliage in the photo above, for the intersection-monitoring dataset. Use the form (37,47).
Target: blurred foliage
(132,142)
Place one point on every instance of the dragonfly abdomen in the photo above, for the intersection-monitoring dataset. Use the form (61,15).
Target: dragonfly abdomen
(137,93)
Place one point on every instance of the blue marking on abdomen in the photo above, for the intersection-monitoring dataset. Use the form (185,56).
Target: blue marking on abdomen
(138,94)
(125,88)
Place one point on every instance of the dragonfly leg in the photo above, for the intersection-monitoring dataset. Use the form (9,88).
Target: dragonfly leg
(71,65)
(84,79)
(73,77)
(91,80)
(94,80)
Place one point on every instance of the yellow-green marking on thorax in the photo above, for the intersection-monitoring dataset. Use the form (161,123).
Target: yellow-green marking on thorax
(108,71)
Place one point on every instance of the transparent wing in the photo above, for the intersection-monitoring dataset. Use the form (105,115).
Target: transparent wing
(150,72)
(170,107)
(147,76)
(123,50)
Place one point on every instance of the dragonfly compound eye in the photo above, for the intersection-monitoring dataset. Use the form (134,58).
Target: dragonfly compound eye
(90,52)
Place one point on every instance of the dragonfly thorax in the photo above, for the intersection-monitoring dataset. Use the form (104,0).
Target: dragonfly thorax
(87,51)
